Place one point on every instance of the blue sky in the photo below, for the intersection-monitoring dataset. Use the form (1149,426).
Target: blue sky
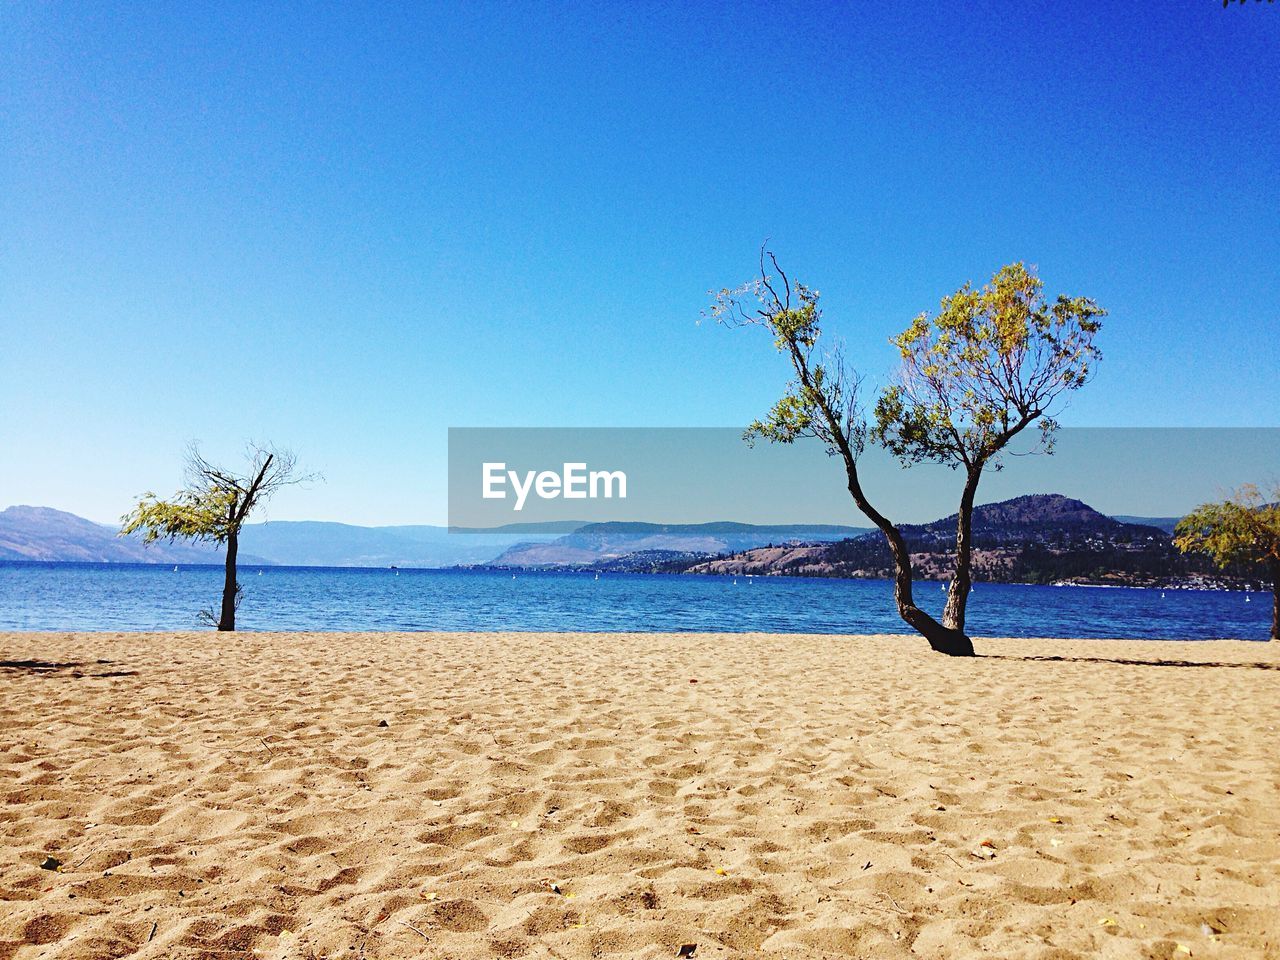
(348,230)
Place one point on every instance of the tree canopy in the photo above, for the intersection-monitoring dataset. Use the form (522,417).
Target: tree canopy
(214,502)
(822,399)
(1243,529)
(989,364)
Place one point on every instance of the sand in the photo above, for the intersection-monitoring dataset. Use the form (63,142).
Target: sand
(580,796)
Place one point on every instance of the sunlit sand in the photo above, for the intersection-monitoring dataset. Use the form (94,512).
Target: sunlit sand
(574,796)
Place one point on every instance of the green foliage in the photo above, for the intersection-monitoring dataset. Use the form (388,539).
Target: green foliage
(215,502)
(990,363)
(789,418)
(189,515)
(1245,528)
(821,400)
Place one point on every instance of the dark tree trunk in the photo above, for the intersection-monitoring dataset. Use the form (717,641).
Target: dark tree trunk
(942,639)
(962,581)
(227,619)
(1275,599)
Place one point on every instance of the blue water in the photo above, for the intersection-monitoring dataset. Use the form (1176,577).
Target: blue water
(96,596)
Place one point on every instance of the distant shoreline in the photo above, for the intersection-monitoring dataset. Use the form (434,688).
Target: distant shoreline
(1222,586)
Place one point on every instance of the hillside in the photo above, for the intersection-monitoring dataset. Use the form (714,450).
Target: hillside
(1164,523)
(1040,538)
(609,545)
(316,543)
(42,533)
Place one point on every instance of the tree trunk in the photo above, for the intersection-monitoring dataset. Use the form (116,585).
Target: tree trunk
(227,619)
(942,639)
(961,581)
(1275,599)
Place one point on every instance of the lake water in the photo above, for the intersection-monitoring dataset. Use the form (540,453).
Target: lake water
(95,596)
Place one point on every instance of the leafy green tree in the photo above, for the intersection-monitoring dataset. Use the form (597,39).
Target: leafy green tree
(1243,529)
(988,366)
(991,363)
(213,506)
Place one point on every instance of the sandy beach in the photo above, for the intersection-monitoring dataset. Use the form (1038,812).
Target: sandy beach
(576,795)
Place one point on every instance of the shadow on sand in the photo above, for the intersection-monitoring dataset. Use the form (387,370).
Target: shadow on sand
(1128,662)
(53,666)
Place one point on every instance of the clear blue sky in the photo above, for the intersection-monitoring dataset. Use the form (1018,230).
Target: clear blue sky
(347,230)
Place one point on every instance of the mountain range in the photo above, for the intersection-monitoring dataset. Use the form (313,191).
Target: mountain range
(596,544)
(1041,538)
(42,533)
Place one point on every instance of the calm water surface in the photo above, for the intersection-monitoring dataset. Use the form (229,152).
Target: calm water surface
(95,596)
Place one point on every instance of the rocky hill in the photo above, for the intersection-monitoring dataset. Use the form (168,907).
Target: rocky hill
(1040,538)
